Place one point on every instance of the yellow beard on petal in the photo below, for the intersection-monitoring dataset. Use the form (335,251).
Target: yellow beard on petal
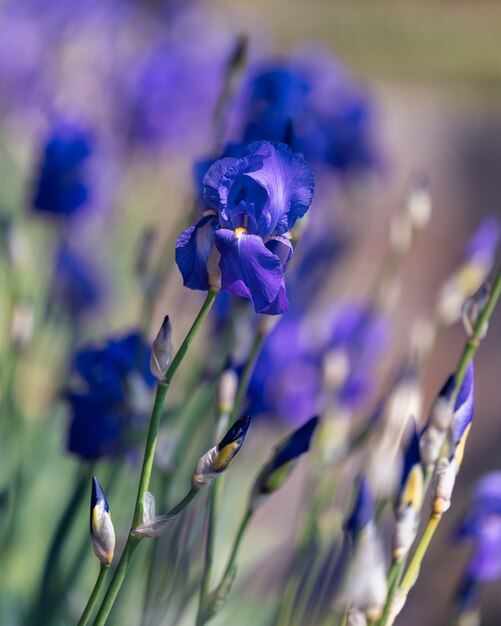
(240,231)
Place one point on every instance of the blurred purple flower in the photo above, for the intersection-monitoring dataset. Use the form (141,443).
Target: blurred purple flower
(312,103)
(483,244)
(482,527)
(62,186)
(109,398)
(288,379)
(253,201)
(76,284)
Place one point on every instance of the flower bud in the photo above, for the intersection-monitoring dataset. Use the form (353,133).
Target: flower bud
(419,204)
(472,309)
(161,354)
(410,499)
(101,527)
(153,525)
(443,485)
(216,460)
(277,470)
(356,618)
(227,390)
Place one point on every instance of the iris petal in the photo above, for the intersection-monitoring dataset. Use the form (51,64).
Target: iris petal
(193,248)
(248,268)
(289,181)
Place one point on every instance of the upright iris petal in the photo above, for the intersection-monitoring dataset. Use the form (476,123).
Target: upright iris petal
(257,196)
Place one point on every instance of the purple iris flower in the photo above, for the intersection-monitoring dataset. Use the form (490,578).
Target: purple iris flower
(311,103)
(252,202)
(483,526)
(109,397)
(62,187)
(288,379)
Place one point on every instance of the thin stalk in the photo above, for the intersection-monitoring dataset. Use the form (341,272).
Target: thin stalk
(216,488)
(125,560)
(149,454)
(93,596)
(237,541)
(467,355)
(344,618)
(244,381)
(212,511)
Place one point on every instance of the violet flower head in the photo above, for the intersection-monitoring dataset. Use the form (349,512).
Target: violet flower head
(482,525)
(311,103)
(253,201)
(109,397)
(62,186)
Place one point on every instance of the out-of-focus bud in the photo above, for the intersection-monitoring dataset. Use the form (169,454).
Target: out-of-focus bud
(423,335)
(362,513)
(22,325)
(336,369)
(227,390)
(472,309)
(101,527)
(410,499)
(153,525)
(216,460)
(356,618)
(277,470)
(365,586)
(439,421)
(463,415)
(419,203)
(161,354)
(472,272)
(405,399)
(443,485)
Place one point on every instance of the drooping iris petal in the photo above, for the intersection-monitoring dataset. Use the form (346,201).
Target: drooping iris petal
(282,248)
(248,268)
(193,248)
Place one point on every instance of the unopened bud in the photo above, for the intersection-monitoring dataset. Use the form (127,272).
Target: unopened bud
(406,528)
(217,459)
(101,527)
(419,204)
(472,309)
(227,390)
(336,368)
(445,477)
(356,618)
(161,354)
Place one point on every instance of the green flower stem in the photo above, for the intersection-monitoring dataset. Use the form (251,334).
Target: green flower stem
(93,596)
(467,355)
(244,381)
(344,618)
(216,488)
(125,560)
(149,454)
(237,541)
(215,492)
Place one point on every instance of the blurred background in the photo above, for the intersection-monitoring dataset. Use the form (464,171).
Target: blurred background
(139,93)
